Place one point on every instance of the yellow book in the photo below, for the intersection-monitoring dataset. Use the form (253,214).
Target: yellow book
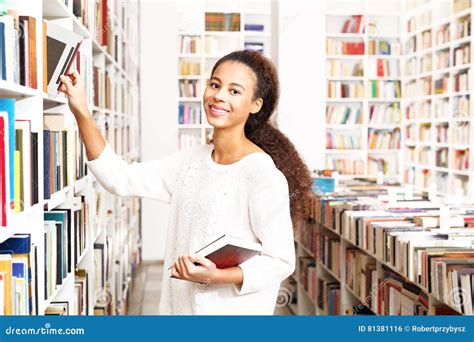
(6,269)
(17,190)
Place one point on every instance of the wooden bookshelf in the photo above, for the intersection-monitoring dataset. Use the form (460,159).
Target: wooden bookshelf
(110,222)
(438,122)
(206,48)
(355,63)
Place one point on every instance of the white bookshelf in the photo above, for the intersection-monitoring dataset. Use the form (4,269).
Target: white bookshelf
(421,168)
(212,46)
(112,221)
(378,24)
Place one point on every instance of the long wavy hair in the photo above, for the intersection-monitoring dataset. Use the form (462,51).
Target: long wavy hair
(261,132)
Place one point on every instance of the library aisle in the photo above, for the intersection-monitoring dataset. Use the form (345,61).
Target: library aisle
(373,95)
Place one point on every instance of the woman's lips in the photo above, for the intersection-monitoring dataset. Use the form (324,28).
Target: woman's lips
(217,111)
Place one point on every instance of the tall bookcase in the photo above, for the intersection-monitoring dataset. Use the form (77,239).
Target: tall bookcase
(437,84)
(363,76)
(110,250)
(199,47)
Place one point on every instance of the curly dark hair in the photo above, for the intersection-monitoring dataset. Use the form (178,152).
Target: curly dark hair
(261,132)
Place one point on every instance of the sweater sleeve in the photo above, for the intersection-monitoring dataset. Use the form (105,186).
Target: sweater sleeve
(269,209)
(153,179)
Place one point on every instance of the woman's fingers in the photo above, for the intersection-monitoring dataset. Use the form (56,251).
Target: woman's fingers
(182,265)
(75,77)
(66,83)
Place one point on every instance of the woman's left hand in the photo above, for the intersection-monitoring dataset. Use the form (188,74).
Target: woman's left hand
(185,269)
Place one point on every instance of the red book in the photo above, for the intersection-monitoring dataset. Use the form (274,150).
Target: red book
(228,251)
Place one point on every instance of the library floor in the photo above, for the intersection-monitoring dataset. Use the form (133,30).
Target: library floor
(146,291)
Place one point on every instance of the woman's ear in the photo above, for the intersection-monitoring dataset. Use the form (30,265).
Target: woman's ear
(257,105)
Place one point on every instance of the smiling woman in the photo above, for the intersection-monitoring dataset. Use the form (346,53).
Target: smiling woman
(238,186)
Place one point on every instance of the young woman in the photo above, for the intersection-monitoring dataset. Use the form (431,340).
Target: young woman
(249,183)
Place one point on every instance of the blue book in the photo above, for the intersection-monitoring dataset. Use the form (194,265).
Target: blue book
(18,244)
(3,66)
(46,169)
(8,105)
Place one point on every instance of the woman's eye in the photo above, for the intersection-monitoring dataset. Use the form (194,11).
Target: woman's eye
(214,85)
(234,92)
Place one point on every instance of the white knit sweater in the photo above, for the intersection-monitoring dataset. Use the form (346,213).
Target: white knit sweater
(247,199)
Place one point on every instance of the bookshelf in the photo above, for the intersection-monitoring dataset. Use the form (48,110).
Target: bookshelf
(437,83)
(363,75)
(101,240)
(200,45)
(340,271)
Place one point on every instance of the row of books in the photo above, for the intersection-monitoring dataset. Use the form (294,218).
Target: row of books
(385,89)
(384,139)
(218,21)
(443,34)
(343,115)
(383,47)
(308,276)
(189,88)
(441,85)
(338,68)
(442,59)
(361,276)
(463,27)
(189,68)
(343,139)
(345,166)
(189,44)
(18,49)
(353,24)
(189,115)
(387,164)
(339,89)
(381,114)
(338,47)
(383,68)
(461,135)
(107,92)
(462,55)
(186,139)
(461,81)
(441,159)
(402,233)
(461,160)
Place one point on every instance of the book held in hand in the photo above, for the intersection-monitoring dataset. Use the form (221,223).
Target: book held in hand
(228,251)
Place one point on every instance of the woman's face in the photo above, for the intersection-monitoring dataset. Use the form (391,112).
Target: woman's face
(229,95)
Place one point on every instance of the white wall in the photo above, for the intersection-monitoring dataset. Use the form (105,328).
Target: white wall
(301,51)
(159,109)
